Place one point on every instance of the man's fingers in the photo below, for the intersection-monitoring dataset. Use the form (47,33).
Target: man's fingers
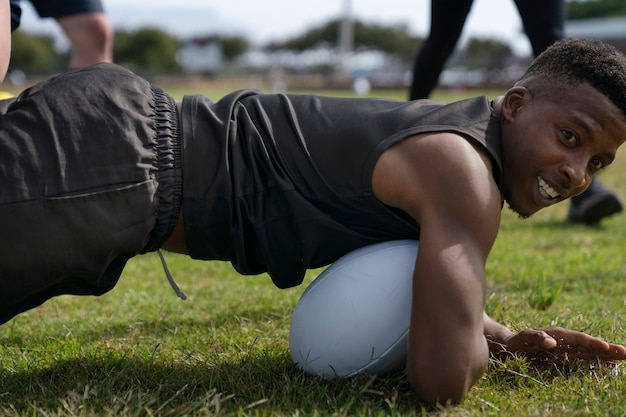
(558,345)
(548,342)
(580,353)
(573,340)
(615,352)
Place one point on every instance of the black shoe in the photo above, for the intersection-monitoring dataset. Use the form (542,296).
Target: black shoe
(596,203)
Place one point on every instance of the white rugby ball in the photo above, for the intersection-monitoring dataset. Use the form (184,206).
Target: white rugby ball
(354,317)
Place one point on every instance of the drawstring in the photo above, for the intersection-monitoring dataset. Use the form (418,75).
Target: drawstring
(170,279)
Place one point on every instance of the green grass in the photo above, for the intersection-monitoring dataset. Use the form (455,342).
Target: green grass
(140,351)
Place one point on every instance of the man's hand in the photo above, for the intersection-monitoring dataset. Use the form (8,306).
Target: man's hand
(559,346)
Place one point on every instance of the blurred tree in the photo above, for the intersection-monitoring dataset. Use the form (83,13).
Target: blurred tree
(486,53)
(147,50)
(588,9)
(391,39)
(232,46)
(325,34)
(33,54)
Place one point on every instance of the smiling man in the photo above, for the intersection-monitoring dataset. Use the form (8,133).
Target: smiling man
(557,139)
(98,166)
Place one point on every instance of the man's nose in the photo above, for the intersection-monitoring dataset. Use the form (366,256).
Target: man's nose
(577,174)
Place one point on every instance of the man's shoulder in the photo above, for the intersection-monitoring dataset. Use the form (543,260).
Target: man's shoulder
(437,172)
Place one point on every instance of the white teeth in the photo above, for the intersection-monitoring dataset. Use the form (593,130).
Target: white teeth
(545,190)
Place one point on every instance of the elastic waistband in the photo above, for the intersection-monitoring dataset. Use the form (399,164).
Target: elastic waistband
(169,169)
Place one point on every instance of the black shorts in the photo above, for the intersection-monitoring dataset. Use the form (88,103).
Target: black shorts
(91,176)
(63,8)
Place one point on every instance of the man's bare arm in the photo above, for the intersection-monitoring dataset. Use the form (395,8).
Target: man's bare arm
(446,184)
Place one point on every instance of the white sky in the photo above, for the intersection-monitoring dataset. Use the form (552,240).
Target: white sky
(266,20)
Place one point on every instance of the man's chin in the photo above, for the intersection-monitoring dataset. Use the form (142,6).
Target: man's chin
(519,213)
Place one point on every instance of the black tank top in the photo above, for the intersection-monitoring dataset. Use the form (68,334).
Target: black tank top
(282,183)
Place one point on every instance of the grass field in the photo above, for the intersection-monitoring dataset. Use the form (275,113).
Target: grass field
(140,351)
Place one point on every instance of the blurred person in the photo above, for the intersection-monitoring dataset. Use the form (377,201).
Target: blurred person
(543,24)
(84,23)
(6,22)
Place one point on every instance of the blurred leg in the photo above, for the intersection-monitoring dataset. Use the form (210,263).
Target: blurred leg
(447,20)
(596,203)
(91,36)
(543,22)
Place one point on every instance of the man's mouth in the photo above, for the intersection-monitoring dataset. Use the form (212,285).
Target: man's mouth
(545,190)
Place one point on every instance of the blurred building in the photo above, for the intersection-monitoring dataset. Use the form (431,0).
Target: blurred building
(611,30)
(202,56)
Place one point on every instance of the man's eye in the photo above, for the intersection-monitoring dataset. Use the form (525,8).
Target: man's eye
(569,137)
(597,163)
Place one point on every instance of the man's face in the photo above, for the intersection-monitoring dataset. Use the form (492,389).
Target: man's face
(553,146)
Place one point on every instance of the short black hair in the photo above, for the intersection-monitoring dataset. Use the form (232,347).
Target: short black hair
(571,62)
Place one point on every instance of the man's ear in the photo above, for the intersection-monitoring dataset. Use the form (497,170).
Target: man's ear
(514,100)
